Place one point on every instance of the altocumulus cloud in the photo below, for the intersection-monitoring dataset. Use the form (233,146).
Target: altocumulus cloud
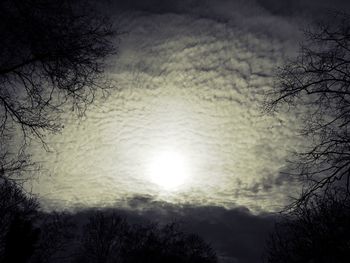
(191,76)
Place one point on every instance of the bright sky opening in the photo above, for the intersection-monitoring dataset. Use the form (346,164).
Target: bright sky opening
(168,170)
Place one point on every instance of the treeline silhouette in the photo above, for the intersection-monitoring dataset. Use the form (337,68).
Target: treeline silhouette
(317,232)
(28,235)
(316,226)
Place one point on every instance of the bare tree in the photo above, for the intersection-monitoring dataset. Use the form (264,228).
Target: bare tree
(319,80)
(102,239)
(110,238)
(153,243)
(316,232)
(52,54)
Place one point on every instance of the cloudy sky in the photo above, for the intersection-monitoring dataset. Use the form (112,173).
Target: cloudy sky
(191,77)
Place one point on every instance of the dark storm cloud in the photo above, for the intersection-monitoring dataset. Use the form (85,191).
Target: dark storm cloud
(297,7)
(220,8)
(236,234)
(153,6)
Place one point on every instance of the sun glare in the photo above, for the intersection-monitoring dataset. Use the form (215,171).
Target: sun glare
(168,170)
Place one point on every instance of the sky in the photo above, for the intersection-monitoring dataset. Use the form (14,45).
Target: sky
(191,77)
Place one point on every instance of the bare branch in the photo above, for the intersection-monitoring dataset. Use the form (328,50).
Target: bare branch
(319,78)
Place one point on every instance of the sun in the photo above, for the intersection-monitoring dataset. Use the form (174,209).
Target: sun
(168,170)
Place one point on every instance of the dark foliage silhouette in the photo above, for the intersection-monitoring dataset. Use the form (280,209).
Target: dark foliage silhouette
(318,232)
(319,80)
(20,240)
(52,54)
(17,211)
(57,235)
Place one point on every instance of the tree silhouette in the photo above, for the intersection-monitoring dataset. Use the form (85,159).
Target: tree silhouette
(20,240)
(102,238)
(17,211)
(110,238)
(317,232)
(52,54)
(151,243)
(53,57)
(319,79)
(57,236)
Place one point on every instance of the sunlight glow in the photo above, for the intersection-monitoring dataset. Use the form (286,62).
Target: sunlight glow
(168,170)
